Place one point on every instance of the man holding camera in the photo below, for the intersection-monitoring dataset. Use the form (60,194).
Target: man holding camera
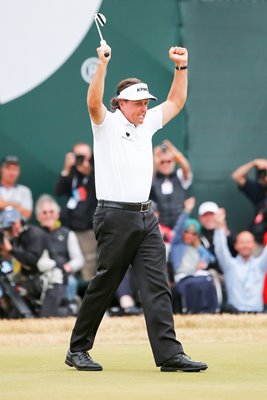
(170,183)
(77,182)
(39,277)
(256,191)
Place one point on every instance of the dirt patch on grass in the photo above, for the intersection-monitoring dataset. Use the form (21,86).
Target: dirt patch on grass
(198,328)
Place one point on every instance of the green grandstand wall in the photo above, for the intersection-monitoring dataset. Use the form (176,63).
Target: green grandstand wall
(223,124)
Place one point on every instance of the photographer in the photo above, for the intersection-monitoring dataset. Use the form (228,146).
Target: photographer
(170,183)
(77,182)
(256,191)
(40,279)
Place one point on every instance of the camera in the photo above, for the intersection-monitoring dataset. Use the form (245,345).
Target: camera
(2,233)
(79,159)
(163,147)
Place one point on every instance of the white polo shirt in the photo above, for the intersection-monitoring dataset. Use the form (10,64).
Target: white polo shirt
(124,157)
(18,194)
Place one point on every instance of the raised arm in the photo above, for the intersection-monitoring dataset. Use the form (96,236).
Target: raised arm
(222,251)
(240,174)
(178,91)
(95,94)
(179,159)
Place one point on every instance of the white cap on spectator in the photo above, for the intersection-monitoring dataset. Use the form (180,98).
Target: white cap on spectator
(208,206)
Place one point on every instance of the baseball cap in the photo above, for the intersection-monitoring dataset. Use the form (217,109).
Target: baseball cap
(8,217)
(10,159)
(192,222)
(208,206)
(138,91)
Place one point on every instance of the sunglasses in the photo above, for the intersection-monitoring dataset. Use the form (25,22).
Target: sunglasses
(45,212)
(166,162)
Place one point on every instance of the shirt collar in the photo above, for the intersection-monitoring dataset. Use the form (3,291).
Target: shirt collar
(122,118)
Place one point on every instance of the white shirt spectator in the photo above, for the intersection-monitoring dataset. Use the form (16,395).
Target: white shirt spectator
(244,280)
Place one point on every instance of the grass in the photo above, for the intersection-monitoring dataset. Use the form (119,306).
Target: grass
(235,347)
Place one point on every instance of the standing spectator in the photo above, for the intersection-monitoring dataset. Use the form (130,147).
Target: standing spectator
(170,184)
(63,244)
(243,274)
(256,191)
(77,182)
(11,193)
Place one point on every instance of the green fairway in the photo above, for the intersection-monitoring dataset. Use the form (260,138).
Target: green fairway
(237,370)
(235,348)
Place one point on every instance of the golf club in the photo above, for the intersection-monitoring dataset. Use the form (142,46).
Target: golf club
(100,19)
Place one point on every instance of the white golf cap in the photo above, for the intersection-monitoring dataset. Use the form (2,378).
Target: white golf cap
(138,91)
(208,206)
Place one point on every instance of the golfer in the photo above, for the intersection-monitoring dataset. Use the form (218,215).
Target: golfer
(125,226)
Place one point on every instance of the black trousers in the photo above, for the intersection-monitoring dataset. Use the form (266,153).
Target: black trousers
(129,237)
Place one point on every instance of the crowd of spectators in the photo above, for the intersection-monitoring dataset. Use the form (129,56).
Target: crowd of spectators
(52,260)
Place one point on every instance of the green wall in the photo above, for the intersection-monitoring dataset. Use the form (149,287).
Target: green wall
(223,123)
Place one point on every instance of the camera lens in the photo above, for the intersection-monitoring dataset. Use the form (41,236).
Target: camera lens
(79,159)
(163,147)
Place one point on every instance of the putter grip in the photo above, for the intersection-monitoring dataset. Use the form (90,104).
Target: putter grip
(103,42)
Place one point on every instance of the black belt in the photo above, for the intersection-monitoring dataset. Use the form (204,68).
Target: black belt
(141,207)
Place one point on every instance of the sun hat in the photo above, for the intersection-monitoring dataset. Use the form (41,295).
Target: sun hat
(138,91)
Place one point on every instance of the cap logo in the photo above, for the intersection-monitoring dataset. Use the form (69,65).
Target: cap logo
(139,89)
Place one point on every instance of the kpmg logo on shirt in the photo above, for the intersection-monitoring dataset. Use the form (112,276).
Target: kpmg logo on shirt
(127,137)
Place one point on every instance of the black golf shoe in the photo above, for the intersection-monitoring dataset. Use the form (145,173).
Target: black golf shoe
(182,362)
(82,361)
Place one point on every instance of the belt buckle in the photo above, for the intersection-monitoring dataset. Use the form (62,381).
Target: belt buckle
(144,207)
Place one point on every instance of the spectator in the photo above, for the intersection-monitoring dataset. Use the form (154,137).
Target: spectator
(39,276)
(256,191)
(77,182)
(169,184)
(189,259)
(127,296)
(206,216)
(63,243)
(11,193)
(243,274)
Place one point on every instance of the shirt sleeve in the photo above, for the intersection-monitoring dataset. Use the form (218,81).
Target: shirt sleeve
(222,251)
(76,257)
(155,118)
(186,183)
(263,260)
(26,198)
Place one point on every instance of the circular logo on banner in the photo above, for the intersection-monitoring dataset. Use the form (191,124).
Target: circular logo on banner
(88,69)
(42,35)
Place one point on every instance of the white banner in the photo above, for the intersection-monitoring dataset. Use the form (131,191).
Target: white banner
(37,37)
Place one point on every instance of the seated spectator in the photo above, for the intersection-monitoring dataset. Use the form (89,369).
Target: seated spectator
(256,191)
(13,194)
(77,183)
(189,259)
(63,243)
(39,277)
(170,184)
(243,274)
(127,297)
